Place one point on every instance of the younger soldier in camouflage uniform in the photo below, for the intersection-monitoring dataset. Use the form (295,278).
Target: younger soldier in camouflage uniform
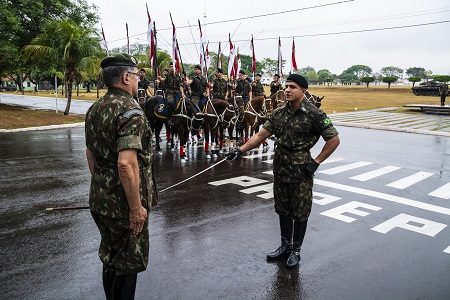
(173,89)
(199,87)
(119,154)
(243,87)
(275,85)
(258,89)
(298,127)
(143,88)
(219,88)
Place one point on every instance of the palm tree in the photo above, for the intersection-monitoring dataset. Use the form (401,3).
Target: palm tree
(69,45)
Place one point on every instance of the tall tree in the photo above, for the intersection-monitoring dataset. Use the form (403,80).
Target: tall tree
(23,20)
(68,44)
(392,71)
(416,71)
(359,71)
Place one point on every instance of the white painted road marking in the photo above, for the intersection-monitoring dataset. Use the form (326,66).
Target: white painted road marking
(375,173)
(442,192)
(343,168)
(410,180)
(351,207)
(429,228)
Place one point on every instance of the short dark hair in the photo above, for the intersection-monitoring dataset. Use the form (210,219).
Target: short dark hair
(142,70)
(242,72)
(113,74)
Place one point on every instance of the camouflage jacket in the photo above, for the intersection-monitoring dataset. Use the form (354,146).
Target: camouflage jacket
(297,132)
(219,88)
(258,89)
(116,122)
(172,83)
(443,89)
(198,85)
(243,87)
(275,88)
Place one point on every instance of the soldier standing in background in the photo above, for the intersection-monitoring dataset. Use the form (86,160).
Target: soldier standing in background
(275,85)
(298,126)
(122,191)
(199,87)
(243,87)
(443,90)
(219,88)
(258,89)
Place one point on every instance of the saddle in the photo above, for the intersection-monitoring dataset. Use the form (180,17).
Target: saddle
(161,109)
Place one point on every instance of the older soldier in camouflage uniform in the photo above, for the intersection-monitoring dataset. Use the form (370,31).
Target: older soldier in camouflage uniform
(199,87)
(219,89)
(275,85)
(243,87)
(298,126)
(258,89)
(119,154)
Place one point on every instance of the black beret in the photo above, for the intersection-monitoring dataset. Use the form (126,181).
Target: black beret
(298,79)
(276,75)
(171,63)
(142,70)
(120,59)
(219,70)
(258,75)
(198,67)
(242,72)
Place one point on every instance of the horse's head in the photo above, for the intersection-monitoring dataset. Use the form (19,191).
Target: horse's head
(269,105)
(239,105)
(278,99)
(313,99)
(193,111)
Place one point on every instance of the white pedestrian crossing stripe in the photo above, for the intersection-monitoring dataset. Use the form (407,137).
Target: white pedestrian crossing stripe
(343,168)
(375,173)
(410,180)
(442,192)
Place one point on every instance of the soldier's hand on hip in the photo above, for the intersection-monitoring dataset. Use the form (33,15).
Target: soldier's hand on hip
(311,168)
(235,154)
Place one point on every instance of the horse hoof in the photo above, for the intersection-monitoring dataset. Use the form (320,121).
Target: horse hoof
(208,156)
(214,155)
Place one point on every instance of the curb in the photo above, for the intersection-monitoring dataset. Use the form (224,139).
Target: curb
(49,127)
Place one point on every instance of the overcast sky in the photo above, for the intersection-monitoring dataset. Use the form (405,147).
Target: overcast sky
(329,34)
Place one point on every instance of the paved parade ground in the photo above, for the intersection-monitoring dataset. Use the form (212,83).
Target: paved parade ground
(378,228)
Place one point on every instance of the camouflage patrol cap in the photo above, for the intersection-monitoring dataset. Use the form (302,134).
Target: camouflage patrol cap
(298,79)
(120,59)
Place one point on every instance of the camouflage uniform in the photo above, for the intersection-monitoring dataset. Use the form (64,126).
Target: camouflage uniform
(258,89)
(443,89)
(172,85)
(297,132)
(198,90)
(115,122)
(243,88)
(275,88)
(219,88)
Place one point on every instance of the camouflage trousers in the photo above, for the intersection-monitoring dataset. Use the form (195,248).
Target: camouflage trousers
(293,198)
(119,249)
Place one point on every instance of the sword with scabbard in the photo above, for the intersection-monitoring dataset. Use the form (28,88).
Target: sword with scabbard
(163,190)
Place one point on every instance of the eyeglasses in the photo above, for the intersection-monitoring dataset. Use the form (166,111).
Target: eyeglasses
(135,74)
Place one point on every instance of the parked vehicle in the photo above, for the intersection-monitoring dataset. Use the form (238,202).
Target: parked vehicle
(429,88)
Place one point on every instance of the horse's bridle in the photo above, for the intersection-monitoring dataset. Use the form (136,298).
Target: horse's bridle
(183,114)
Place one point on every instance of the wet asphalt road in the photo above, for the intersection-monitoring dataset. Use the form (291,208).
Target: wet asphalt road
(378,230)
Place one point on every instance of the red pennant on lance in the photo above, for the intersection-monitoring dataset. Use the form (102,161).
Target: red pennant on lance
(252,46)
(150,39)
(231,59)
(128,39)
(175,53)
(207,56)
(280,59)
(104,42)
(294,63)
(237,66)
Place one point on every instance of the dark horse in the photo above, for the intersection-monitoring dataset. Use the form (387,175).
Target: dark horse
(218,115)
(156,123)
(187,117)
(278,99)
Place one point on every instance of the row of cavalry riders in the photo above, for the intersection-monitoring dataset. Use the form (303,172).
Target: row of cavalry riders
(216,116)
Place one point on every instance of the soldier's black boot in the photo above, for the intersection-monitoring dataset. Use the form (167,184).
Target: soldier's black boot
(124,287)
(294,258)
(299,234)
(286,227)
(108,278)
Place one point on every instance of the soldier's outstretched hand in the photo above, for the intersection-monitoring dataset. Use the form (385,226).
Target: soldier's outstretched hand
(234,154)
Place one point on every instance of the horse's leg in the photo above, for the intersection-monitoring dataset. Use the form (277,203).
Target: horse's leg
(158,127)
(214,133)
(181,137)
(206,131)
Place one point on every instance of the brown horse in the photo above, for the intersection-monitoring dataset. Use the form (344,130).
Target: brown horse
(313,99)
(217,115)
(278,99)
(255,111)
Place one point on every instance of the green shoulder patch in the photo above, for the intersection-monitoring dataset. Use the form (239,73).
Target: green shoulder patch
(133,112)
